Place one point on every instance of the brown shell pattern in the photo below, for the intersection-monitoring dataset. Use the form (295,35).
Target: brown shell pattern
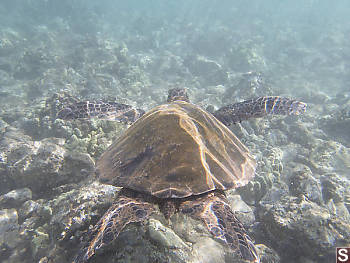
(177,150)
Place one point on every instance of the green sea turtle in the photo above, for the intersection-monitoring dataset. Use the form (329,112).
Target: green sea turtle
(179,157)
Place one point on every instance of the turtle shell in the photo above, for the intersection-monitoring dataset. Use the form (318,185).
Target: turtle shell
(174,151)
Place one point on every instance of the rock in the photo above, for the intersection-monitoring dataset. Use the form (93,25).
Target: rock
(243,211)
(11,243)
(40,165)
(267,255)
(5,78)
(339,209)
(204,247)
(164,236)
(15,198)
(337,121)
(35,209)
(76,208)
(8,220)
(44,260)
(206,250)
(299,228)
(211,71)
(246,85)
(22,234)
(3,126)
(243,57)
(29,208)
(302,183)
(334,187)
(40,242)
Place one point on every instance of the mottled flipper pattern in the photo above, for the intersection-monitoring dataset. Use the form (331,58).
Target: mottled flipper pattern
(222,223)
(256,108)
(99,109)
(124,211)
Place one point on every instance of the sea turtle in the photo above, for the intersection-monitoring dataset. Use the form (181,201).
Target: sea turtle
(179,157)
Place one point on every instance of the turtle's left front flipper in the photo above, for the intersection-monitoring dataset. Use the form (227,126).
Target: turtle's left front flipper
(256,108)
(222,223)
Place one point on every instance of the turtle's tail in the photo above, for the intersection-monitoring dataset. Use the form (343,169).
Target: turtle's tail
(260,107)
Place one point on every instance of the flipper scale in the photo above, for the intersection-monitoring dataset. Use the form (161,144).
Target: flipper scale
(124,211)
(100,109)
(260,107)
(222,223)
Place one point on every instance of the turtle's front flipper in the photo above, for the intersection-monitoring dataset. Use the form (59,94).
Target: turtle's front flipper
(126,210)
(259,107)
(100,109)
(222,223)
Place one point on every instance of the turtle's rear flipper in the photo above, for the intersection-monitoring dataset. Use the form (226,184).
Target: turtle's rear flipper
(100,109)
(126,210)
(259,107)
(222,223)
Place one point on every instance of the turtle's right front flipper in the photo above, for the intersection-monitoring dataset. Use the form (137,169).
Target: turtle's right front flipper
(256,108)
(126,210)
(99,109)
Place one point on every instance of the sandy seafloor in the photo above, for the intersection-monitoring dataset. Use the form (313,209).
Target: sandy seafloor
(297,207)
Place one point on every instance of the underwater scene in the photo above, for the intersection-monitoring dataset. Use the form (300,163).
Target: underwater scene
(152,131)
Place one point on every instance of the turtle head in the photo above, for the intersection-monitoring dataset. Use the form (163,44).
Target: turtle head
(177,94)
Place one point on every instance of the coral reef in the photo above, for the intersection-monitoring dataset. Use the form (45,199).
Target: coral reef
(296,208)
